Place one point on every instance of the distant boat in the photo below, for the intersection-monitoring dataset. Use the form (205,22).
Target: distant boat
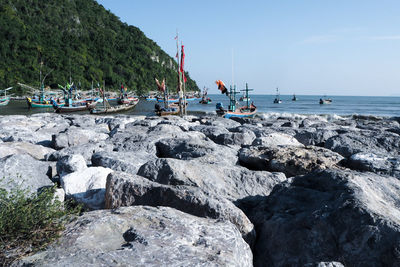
(277,99)
(325,100)
(294,98)
(205,99)
(5,99)
(247,111)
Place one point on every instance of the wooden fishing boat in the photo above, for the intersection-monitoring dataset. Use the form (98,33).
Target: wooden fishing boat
(113,109)
(277,99)
(177,105)
(325,101)
(4,101)
(126,100)
(172,109)
(170,100)
(247,111)
(205,101)
(75,107)
(41,104)
(204,98)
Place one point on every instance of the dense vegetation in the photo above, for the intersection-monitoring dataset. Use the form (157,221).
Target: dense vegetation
(81,39)
(29,222)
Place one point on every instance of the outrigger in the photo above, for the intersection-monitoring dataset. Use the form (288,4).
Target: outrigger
(247,111)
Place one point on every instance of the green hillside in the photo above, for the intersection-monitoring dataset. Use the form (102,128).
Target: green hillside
(81,39)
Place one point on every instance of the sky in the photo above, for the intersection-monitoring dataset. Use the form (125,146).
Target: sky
(311,47)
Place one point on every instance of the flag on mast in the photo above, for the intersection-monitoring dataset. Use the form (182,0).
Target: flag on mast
(182,63)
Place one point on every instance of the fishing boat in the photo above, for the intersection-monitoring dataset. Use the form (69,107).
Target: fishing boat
(152,96)
(177,105)
(169,107)
(126,100)
(204,98)
(277,99)
(4,100)
(325,101)
(107,108)
(294,98)
(247,111)
(243,98)
(172,109)
(70,105)
(170,100)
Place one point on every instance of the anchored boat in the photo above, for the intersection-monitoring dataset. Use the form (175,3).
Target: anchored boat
(247,111)
(277,99)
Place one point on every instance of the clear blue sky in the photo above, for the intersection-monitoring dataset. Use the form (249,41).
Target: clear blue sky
(333,47)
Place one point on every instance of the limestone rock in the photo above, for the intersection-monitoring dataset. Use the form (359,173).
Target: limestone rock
(231,182)
(145,236)
(12,148)
(25,172)
(332,215)
(87,186)
(127,190)
(129,162)
(290,160)
(69,164)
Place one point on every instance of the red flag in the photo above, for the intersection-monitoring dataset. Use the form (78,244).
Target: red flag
(221,86)
(182,63)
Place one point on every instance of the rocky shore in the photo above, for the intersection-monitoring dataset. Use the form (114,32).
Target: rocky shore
(277,191)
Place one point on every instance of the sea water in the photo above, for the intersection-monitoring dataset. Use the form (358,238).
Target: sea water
(305,105)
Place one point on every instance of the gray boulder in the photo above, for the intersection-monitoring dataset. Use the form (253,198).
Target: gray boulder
(145,236)
(211,132)
(375,163)
(364,141)
(228,181)
(236,138)
(332,215)
(70,164)
(202,149)
(314,137)
(12,148)
(86,150)
(276,139)
(24,171)
(75,136)
(221,122)
(86,186)
(129,162)
(123,189)
(290,160)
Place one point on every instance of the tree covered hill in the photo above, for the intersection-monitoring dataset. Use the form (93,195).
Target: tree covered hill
(81,39)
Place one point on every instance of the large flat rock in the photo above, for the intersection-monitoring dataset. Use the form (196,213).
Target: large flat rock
(123,189)
(145,236)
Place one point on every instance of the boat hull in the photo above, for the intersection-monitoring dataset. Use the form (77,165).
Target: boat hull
(119,108)
(169,100)
(4,102)
(172,110)
(88,106)
(42,105)
(237,114)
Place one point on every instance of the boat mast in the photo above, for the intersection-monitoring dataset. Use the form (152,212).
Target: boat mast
(179,76)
